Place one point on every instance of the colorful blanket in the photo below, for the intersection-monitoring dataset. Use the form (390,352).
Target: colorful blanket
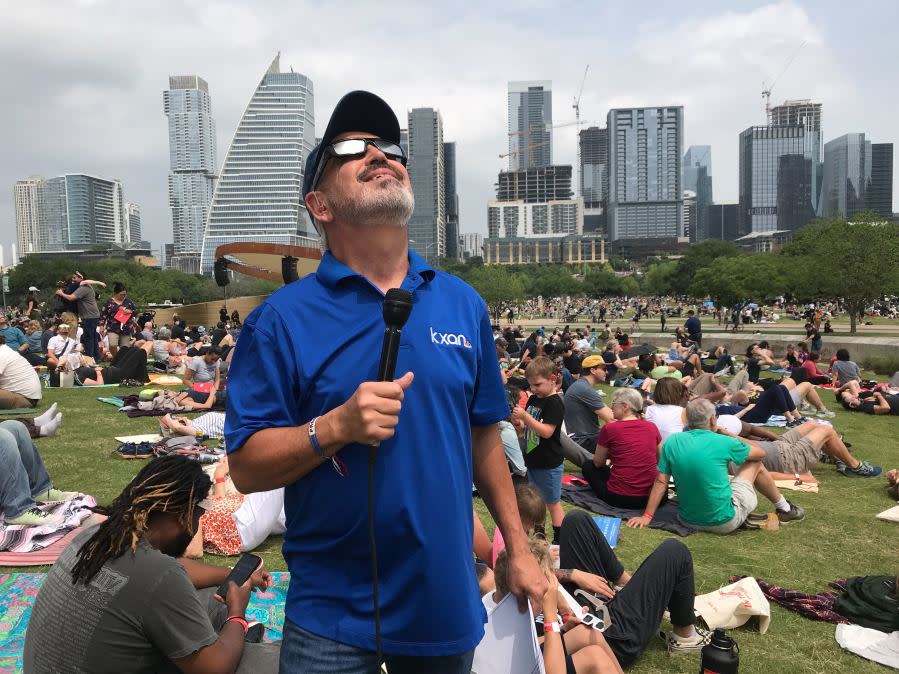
(19,590)
(22,539)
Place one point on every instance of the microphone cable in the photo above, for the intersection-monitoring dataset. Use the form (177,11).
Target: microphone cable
(372,539)
(397,307)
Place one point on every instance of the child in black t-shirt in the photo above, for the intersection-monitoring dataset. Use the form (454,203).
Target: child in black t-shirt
(542,421)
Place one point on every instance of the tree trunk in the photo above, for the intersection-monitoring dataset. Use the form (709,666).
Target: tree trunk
(853,312)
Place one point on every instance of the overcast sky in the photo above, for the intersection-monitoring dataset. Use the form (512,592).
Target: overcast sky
(83,79)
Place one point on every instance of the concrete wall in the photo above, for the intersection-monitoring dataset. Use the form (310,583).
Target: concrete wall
(207,313)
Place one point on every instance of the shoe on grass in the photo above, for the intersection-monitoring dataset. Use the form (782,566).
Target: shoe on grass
(54,496)
(864,469)
(678,644)
(806,408)
(35,517)
(794,514)
(825,414)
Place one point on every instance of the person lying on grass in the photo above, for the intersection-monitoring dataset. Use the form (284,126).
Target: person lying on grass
(131,603)
(698,459)
(854,399)
(798,450)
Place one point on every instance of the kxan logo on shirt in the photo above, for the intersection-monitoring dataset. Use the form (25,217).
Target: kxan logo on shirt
(449,339)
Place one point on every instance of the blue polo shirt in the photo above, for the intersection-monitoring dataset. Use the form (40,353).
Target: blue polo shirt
(303,352)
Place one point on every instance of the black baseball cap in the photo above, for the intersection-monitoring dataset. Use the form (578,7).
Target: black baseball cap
(356,111)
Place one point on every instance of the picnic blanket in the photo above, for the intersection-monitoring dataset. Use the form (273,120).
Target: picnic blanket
(779,421)
(21,539)
(42,557)
(19,590)
(115,401)
(665,517)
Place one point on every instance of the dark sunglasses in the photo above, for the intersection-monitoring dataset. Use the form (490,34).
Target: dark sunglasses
(357,147)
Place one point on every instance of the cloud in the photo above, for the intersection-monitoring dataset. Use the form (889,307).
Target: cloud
(88,76)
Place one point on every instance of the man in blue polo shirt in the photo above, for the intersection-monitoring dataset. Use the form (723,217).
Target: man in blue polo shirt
(303,408)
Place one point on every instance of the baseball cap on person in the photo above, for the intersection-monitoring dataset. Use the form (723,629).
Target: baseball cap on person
(592,361)
(360,111)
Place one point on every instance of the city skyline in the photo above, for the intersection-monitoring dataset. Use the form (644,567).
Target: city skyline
(720,59)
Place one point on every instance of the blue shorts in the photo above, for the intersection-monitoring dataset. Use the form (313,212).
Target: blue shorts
(548,482)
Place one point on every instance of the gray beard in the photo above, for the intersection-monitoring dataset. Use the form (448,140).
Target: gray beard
(388,205)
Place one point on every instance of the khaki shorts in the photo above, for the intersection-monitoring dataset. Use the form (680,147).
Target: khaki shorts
(797,453)
(115,339)
(744,500)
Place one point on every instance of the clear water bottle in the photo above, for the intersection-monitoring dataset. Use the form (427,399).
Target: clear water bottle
(720,656)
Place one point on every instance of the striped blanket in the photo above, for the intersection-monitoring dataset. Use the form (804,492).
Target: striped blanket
(20,539)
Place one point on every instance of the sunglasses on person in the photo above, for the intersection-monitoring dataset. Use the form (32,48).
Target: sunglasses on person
(354,148)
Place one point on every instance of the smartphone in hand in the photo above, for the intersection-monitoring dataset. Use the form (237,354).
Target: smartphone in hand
(241,572)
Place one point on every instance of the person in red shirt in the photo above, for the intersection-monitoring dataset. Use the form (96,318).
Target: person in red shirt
(631,444)
(810,365)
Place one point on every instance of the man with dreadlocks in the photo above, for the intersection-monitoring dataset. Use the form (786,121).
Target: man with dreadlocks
(121,599)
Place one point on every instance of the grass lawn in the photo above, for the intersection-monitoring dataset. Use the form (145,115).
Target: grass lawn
(839,537)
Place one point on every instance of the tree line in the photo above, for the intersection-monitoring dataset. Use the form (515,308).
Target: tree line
(856,262)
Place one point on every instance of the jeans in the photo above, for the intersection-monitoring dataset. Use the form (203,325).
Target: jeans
(22,473)
(90,338)
(305,653)
(775,400)
(512,448)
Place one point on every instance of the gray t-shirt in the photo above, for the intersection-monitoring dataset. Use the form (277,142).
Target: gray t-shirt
(135,615)
(846,370)
(87,302)
(581,403)
(203,371)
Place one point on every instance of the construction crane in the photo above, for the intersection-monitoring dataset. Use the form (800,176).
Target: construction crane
(766,90)
(576,104)
(534,129)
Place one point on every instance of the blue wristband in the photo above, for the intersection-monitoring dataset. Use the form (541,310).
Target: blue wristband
(313,440)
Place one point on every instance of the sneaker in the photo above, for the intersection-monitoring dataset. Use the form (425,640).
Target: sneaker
(826,414)
(806,408)
(35,518)
(841,466)
(694,644)
(794,514)
(794,423)
(864,469)
(54,496)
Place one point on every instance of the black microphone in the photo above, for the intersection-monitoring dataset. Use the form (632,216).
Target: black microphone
(397,307)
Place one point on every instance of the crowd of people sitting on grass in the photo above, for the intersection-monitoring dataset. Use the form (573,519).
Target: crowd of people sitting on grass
(683,425)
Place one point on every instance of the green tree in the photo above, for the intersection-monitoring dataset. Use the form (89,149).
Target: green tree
(660,278)
(857,261)
(601,283)
(497,286)
(728,280)
(698,256)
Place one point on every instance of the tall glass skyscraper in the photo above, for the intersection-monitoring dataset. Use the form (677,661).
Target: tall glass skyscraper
(777,180)
(258,196)
(847,175)
(807,115)
(451,197)
(530,124)
(698,179)
(645,179)
(880,194)
(427,228)
(193,163)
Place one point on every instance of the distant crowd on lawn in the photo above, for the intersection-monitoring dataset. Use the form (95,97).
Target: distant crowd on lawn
(670,309)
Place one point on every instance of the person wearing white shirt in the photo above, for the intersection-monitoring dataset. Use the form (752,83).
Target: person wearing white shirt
(60,346)
(19,383)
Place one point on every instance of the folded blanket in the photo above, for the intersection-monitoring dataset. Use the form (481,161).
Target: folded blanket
(665,517)
(22,539)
